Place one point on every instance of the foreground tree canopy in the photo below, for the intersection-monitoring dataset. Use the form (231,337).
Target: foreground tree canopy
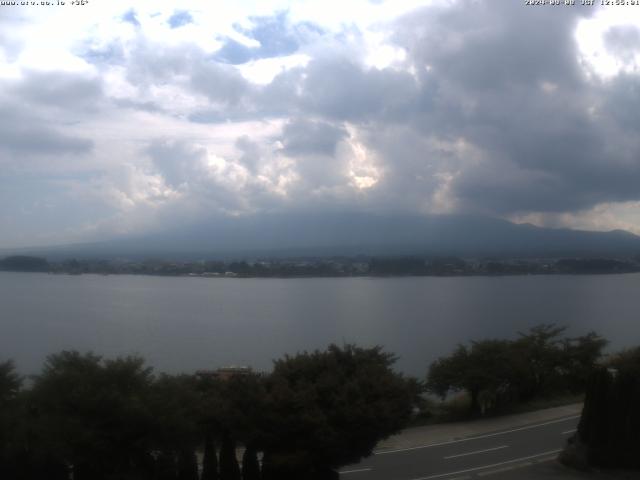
(609,429)
(499,372)
(331,408)
(115,419)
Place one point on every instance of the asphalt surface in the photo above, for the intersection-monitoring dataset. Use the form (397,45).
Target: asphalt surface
(491,454)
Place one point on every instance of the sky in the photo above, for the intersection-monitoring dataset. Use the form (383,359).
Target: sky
(120,118)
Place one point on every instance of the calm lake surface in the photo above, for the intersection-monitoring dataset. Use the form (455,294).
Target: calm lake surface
(184,324)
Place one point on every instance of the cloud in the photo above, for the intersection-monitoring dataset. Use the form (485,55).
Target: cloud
(622,103)
(517,94)
(219,83)
(210,183)
(24,135)
(130,17)
(275,35)
(184,72)
(483,48)
(112,53)
(623,41)
(302,136)
(456,106)
(343,89)
(177,162)
(62,90)
(251,153)
(180,19)
(10,44)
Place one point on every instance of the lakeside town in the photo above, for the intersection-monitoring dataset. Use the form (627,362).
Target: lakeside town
(327,266)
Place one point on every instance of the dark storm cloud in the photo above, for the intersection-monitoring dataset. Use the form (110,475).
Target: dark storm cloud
(339,88)
(490,111)
(484,48)
(509,81)
(278,99)
(485,107)
(622,102)
(38,110)
(22,134)
(276,35)
(281,97)
(251,155)
(188,67)
(220,83)
(64,90)
(493,77)
(302,136)
(177,162)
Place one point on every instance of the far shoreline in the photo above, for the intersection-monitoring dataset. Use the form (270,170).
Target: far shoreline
(302,277)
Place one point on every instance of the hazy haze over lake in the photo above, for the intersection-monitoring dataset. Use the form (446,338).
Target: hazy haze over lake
(182,324)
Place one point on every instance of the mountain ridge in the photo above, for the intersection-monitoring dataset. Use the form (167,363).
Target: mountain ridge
(349,234)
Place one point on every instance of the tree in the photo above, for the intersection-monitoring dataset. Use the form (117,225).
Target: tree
(23,263)
(91,413)
(236,407)
(580,356)
(538,361)
(233,409)
(174,403)
(397,266)
(187,464)
(229,469)
(166,467)
(628,360)
(609,427)
(485,367)
(210,459)
(250,465)
(498,372)
(10,384)
(328,409)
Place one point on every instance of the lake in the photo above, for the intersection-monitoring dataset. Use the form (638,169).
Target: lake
(183,324)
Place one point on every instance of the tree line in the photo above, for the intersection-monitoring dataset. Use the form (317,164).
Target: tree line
(107,419)
(342,266)
(500,373)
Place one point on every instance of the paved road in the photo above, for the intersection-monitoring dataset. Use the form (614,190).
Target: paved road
(479,456)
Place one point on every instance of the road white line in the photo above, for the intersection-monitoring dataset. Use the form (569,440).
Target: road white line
(419,447)
(355,471)
(477,451)
(440,475)
(548,459)
(569,431)
(504,469)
